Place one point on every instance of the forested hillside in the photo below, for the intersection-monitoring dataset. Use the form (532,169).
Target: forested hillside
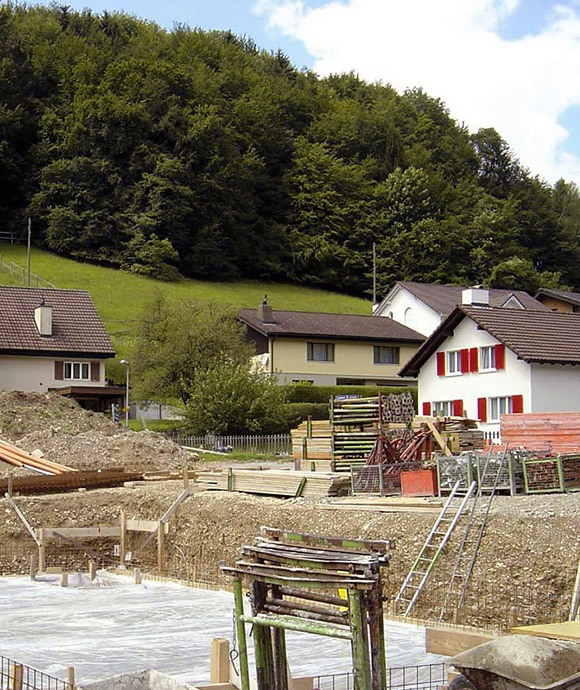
(146,149)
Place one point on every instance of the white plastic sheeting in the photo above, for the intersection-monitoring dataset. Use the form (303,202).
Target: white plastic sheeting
(113,626)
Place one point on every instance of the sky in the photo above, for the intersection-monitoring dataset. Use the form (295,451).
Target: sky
(509,64)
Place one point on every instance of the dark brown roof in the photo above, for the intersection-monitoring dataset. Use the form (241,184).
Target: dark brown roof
(565,296)
(546,337)
(299,324)
(77,328)
(444,298)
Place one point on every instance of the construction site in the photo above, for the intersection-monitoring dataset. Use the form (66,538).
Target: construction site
(379,521)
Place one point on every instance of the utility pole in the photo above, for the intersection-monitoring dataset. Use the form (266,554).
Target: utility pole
(374,274)
(28,252)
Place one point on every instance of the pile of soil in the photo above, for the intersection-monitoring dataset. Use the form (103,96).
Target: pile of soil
(58,429)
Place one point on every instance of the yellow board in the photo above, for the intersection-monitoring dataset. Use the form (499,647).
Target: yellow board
(569,630)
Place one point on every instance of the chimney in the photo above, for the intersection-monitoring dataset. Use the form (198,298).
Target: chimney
(477,296)
(265,311)
(43,318)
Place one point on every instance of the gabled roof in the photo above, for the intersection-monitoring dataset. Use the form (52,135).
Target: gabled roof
(565,296)
(444,298)
(300,324)
(541,336)
(77,329)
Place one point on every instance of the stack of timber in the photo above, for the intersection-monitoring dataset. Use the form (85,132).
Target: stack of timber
(19,458)
(544,432)
(276,482)
(458,433)
(67,481)
(312,444)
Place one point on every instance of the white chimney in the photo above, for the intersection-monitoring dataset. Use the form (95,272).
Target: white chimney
(43,318)
(476,296)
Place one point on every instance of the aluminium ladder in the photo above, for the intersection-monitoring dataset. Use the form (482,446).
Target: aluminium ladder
(469,547)
(431,550)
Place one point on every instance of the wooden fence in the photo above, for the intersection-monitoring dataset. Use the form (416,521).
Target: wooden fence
(22,274)
(263,444)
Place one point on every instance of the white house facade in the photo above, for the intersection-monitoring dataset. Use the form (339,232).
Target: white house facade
(485,362)
(424,306)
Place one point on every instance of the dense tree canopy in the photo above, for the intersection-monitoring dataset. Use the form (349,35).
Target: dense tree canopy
(196,151)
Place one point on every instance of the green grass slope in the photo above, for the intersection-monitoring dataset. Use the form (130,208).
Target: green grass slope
(119,296)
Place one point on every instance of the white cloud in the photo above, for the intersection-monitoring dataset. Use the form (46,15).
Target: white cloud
(453,50)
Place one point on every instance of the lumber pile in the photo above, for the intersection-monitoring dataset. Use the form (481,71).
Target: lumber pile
(545,432)
(458,434)
(311,440)
(18,458)
(276,482)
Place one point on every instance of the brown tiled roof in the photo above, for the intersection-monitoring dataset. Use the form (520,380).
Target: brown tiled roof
(77,328)
(570,297)
(317,325)
(444,298)
(546,337)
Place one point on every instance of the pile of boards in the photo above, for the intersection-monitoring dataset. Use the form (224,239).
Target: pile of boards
(547,432)
(277,482)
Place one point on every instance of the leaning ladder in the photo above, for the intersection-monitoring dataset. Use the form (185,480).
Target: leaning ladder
(469,547)
(431,550)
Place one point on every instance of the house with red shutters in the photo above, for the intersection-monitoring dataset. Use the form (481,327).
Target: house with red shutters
(483,362)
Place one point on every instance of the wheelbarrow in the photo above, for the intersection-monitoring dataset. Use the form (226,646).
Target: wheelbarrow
(519,662)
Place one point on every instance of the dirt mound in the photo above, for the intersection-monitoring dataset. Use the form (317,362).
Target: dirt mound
(58,429)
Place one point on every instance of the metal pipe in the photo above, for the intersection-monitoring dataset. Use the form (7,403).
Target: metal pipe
(241,633)
(300,626)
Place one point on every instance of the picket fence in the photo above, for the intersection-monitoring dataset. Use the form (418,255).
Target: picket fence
(262,444)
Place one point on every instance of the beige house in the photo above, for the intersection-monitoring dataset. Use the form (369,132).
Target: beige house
(559,300)
(54,340)
(330,349)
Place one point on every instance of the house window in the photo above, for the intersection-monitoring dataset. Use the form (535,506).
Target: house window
(320,352)
(454,362)
(77,371)
(487,358)
(499,406)
(442,408)
(385,355)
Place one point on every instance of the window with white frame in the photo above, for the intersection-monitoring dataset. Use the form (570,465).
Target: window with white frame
(497,407)
(454,362)
(385,355)
(486,358)
(320,352)
(77,371)
(442,408)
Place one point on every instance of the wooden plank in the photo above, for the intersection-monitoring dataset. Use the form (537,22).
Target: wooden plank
(449,642)
(440,440)
(80,532)
(145,526)
(568,630)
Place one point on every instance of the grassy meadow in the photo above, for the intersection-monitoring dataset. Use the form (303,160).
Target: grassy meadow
(120,297)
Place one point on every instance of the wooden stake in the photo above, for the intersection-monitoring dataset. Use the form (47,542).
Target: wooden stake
(41,551)
(161,548)
(17,672)
(220,660)
(122,538)
(70,677)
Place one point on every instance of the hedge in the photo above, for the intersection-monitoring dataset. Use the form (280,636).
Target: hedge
(303,393)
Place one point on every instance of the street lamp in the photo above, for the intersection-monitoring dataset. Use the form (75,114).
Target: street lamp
(126,364)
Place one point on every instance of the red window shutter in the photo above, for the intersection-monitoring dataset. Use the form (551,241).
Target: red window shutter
(474,359)
(440,364)
(464,358)
(499,357)
(482,409)
(59,371)
(518,403)
(427,409)
(458,408)
(95,371)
